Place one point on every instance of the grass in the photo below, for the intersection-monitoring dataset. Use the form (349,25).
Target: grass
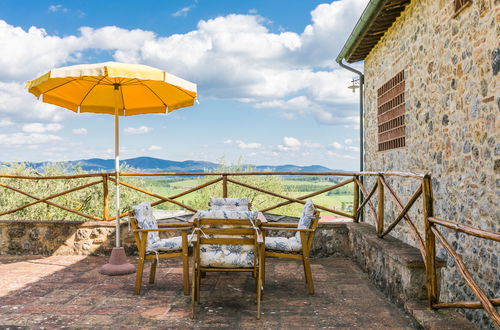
(341,199)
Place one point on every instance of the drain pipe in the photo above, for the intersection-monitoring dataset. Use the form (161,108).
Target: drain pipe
(361,133)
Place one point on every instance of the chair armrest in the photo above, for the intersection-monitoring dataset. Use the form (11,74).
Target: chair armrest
(281,224)
(160,229)
(289,229)
(175,225)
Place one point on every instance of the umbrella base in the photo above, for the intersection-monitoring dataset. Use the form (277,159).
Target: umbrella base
(118,264)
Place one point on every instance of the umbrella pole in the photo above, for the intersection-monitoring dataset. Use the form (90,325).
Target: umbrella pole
(118,264)
(117,171)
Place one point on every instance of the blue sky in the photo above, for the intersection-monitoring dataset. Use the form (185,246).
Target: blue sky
(269,89)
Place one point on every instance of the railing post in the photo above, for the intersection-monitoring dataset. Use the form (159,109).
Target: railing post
(380,209)
(355,207)
(224,185)
(105,212)
(430,241)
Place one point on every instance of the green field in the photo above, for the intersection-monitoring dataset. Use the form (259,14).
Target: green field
(341,199)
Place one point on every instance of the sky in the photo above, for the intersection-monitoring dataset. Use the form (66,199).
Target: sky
(269,89)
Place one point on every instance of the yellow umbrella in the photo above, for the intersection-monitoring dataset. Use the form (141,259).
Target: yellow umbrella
(119,89)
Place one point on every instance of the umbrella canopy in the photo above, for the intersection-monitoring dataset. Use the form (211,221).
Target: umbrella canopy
(119,89)
(91,88)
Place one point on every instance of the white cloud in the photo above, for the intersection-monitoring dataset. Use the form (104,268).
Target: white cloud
(6,122)
(244,145)
(348,141)
(291,142)
(26,139)
(336,145)
(154,148)
(137,130)
(252,11)
(41,128)
(16,102)
(352,148)
(183,11)
(56,8)
(308,144)
(339,155)
(79,131)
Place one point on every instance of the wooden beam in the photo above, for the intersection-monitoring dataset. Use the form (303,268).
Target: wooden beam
(495,236)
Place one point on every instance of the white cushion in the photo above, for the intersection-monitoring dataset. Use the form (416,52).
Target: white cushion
(284,244)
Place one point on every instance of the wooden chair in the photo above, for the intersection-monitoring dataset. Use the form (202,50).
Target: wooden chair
(226,245)
(151,247)
(297,247)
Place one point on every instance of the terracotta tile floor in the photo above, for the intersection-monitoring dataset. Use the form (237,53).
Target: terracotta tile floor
(68,291)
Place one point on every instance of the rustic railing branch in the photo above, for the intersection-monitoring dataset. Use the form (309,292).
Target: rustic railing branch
(46,200)
(405,210)
(367,199)
(288,198)
(315,193)
(413,229)
(478,292)
(495,236)
(162,198)
(465,304)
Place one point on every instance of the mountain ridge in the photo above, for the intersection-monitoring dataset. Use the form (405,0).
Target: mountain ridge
(151,164)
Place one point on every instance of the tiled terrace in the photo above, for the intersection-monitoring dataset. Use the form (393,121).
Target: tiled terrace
(68,291)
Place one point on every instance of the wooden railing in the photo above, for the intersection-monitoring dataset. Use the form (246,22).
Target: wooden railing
(362,197)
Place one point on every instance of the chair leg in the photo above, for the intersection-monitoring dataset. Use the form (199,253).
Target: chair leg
(308,274)
(138,277)
(259,290)
(185,273)
(152,273)
(263,268)
(198,280)
(194,284)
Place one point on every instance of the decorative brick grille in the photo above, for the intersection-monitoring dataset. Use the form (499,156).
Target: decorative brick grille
(391,113)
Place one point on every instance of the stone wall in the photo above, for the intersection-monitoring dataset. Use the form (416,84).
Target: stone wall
(24,237)
(452,132)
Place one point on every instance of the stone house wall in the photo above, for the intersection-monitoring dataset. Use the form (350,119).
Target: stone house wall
(452,99)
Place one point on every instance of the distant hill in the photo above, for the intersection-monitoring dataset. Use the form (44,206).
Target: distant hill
(149,164)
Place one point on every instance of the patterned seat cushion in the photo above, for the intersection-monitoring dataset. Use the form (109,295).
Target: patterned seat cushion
(227,214)
(234,204)
(227,256)
(145,220)
(167,244)
(284,244)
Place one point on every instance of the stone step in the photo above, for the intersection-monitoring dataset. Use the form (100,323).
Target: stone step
(441,319)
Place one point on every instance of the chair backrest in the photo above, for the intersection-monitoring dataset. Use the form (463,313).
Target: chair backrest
(233,204)
(227,239)
(143,218)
